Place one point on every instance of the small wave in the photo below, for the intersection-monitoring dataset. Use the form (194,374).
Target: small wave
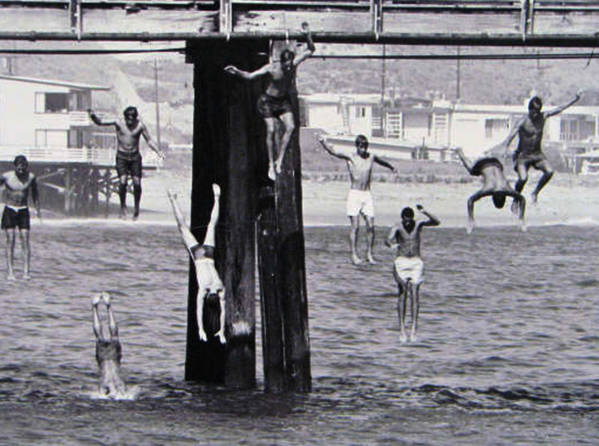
(104,222)
(130,394)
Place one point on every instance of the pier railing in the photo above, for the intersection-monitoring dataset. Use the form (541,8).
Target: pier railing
(94,156)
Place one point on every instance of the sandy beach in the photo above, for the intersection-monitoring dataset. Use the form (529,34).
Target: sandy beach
(567,199)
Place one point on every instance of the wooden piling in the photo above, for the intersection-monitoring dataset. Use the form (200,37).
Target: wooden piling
(224,151)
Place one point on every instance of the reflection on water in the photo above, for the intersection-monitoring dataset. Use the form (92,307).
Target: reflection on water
(507,348)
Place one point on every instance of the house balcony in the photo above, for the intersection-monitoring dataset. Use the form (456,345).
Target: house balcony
(79,119)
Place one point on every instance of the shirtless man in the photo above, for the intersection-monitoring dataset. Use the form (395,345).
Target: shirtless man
(529,151)
(108,350)
(359,198)
(494,185)
(16,212)
(408,266)
(209,283)
(275,102)
(128,157)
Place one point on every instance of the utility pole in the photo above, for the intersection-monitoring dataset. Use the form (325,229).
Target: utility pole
(157,103)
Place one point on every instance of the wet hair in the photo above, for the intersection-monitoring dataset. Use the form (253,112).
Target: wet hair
(287,55)
(498,199)
(361,139)
(131,111)
(407,213)
(20,159)
(535,103)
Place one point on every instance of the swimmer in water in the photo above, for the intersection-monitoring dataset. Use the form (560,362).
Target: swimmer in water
(408,266)
(209,283)
(108,350)
(494,185)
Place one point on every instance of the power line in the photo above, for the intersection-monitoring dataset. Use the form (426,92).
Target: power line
(504,56)
(62,51)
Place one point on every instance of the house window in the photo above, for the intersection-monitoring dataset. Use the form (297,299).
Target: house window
(51,138)
(360,112)
(51,102)
(494,126)
(576,129)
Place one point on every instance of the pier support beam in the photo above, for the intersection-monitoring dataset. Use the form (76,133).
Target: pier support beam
(227,137)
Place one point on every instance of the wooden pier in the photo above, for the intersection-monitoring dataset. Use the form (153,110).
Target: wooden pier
(74,182)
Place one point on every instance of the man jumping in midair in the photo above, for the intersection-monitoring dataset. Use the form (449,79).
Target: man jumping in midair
(209,282)
(128,157)
(274,104)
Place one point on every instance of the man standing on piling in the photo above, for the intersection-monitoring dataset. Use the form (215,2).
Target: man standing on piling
(128,157)
(275,104)
(359,198)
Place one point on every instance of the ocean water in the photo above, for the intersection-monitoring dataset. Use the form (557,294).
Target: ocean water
(507,352)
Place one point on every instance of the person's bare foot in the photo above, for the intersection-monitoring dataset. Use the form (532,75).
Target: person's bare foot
(357,260)
(271,172)
(106,298)
(123,213)
(96,300)
(216,190)
(26,276)
(533,198)
(469,226)
(11,277)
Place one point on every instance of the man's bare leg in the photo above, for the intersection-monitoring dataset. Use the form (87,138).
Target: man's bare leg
(136,196)
(10,253)
(270,145)
(210,240)
(401,309)
(415,304)
(188,238)
(370,233)
(547,175)
(24,233)
(473,199)
(96,319)
(200,315)
(519,186)
(353,238)
(123,196)
(112,326)
(288,122)
(221,333)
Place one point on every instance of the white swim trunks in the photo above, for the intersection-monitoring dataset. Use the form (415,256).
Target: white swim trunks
(360,201)
(409,268)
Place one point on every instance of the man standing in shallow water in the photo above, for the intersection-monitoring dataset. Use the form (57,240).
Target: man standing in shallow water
(408,266)
(16,212)
(359,198)
(128,157)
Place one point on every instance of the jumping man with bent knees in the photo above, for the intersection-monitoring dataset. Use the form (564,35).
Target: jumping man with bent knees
(108,350)
(275,104)
(494,185)
(18,183)
(408,266)
(209,282)
(359,198)
(529,152)
(128,157)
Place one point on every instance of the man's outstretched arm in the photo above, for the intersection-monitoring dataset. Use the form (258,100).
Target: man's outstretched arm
(384,163)
(246,75)
(465,161)
(561,108)
(96,119)
(35,196)
(310,47)
(329,148)
(432,220)
(151,142)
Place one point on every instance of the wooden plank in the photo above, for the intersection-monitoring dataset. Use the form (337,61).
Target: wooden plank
(225,146)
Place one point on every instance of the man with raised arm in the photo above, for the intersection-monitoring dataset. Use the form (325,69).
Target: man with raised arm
(128,156)
(359,198)
(529,152)
(209,283)
(275,103)
(108,349)
(494,185)
(18,183)
(408,266)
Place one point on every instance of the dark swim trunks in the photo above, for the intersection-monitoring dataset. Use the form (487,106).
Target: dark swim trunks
(272,107)
(480,164)
(528,159)
(108,350)
(12,218)
(128,164)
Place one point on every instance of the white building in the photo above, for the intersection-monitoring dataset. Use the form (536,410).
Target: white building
(439,123)
(42,113)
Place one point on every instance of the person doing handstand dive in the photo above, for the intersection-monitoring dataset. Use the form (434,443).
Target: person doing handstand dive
(494,185)
(408,266)
(209,283)
(108,350)
(275,104)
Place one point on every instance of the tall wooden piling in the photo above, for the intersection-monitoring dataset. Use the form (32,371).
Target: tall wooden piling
(226,140)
